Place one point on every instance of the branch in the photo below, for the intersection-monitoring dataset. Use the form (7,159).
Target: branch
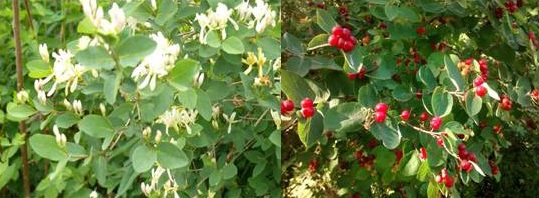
(22,124)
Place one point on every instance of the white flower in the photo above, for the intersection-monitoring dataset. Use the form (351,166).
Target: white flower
(146,188)
(77,107)
(96,16)
(158,136)
(230,120)
(117,18)
(264,16)
(44,52)
(63,72)
(94,194)
(244,10)
(158,63)
(61,139)
(217,20)
(146,132)
(67,104)
(177,118)
(42,97)
(154,4)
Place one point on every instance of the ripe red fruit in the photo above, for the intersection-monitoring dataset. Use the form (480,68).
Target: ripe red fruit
(348,46)
(337,31)
(478,81)
(381,107)
(444,173)
(494,169)
(287,106)
(483,65)
(358,154)
(382,26)
(351,76)
(333,40)
(379,117)
(373,143)
(424,116)
(506,104)
(361,74)
(535,95)
(313,165)
(465,165)
(405,115)
(422,153)
(435,123)
(419,94)
(497,129)
(399,155)
(346,33)
(498,13)
(306,103)
(307,112)
(449,182)
(421,30)
(461,147)
(468,61)
(440,142)
(480,91)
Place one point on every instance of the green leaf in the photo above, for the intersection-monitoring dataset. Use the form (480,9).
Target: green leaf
(38,69)
(167,9)
(86,27)
(215,177)
(402,13)
(19,111)
(318,41)
(491,92)
(170,156)
(204,105)
(67,120)
(143,158)
(95,57)
(354,59)
(271,47)
(295,87)
(100,169)
(345,117)
(451,62)
(181,76)
(473,103)
(111,86)
(212,38)
(96,126)
(427,78)
(390,137)
(188,98)
(367,96)
(384,158)
(229,171)
(310,130)
(432,190)
(46,147)
(133,49)
(292,44)
(259,168)
(442,102)
(233,45)
(275,138)
(423,172)
(412,166)
(325,20)
(402,93)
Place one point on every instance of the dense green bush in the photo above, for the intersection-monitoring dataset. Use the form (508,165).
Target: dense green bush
(156,98)
(427,62)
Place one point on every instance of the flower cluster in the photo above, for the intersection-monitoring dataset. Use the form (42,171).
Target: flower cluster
(178,117)
(218,19)
(158,63)
(169,186)
(95,14)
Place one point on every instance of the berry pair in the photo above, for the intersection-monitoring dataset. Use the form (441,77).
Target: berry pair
(307,109)
(506,103)
(360,75)
(466,158)
(480,90)
(380,112)
(444,177)
(342,38)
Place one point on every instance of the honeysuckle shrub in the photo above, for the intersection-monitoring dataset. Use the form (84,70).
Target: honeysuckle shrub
(459,79)
(156,98)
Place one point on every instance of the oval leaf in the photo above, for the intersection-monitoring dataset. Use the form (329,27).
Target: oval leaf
(96,126)
(170,156)
(143,158)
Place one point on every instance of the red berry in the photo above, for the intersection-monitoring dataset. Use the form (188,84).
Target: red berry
(382,26)
(480,91)
(421,30)
(346,33)
(373,143)
(506,103)
(444,173)
(466,165)
(307,112)
(424,116)
(313,165)
(379,117)
(337,31)
(472,157)
(287,106)
(333,40)
(461,147)
(358,154)
(422,153)
(468,61)
(494,169)
(435,123)
(535,95)
(483,65)
(348,46)
(497,129)
(405,115)
(381,107)
(438,179)
(449,182)
(307,103)
(440,142)
(351,76)
(498,13)
(399,155)
(361,74)
(419,94)
(478,81)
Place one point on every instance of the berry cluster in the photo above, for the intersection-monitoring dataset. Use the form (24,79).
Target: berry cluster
(533,39)
(307,109)
(483,67)
(287,106)
(493,168)
(465,158)
(435,123)
(363,159)
(444,177)
(380,112)
(423,153)
(343,10)
(342,38)
(360,75)
(480,90)
(511,6)
(506,104)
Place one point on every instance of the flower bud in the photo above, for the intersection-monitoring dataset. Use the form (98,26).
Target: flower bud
(146,133)
(94,194)
(95,74)
(67,104)
(44,52)
(22,96)
(158,136)
(42,97)
(103,109)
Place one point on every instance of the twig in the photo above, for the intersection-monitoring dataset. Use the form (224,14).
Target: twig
(22,124)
